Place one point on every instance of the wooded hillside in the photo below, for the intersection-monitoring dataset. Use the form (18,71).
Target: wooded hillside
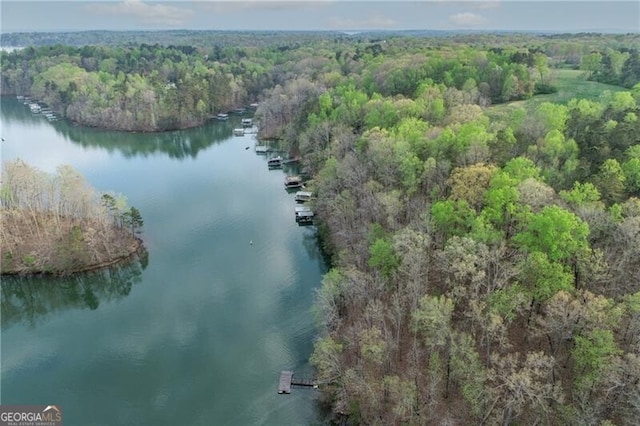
(59,224)
(485,271)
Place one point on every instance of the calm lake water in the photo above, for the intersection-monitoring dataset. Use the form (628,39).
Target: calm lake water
(197,330)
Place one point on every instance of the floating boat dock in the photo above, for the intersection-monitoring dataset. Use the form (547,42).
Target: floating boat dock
(287,380)
(303,196)
(274,163)
(292,182)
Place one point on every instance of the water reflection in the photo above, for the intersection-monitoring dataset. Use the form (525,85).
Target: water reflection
(202,337)
(14,110)
(31,299)
(177,144)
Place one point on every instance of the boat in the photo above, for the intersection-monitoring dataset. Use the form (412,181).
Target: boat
(291,182)
(274,163)
(35,108)
(247,122)
(261,149)
(222,116)
(238,131)
(303,196)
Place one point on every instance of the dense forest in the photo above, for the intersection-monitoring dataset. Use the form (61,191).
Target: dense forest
(155,87)
(486,265)
(58,224)
(485,260)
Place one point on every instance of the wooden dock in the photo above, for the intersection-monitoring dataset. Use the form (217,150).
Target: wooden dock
(287,380)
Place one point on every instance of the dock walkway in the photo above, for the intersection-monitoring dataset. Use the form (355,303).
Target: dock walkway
(287,380)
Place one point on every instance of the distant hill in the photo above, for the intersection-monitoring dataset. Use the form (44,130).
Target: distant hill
(175,37)
(240,38)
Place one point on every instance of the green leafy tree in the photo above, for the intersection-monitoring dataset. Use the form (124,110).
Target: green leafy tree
(383,257)
(136,220)
(591,63)
(553,116)
(501,200)
(580,194)
(610,181)
(545,277)
(591,354)
(452,217)
(631,170)
(556,232)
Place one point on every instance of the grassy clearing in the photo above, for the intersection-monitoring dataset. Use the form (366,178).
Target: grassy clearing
(570,83)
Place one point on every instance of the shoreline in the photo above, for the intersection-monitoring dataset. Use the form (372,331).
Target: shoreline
(114,129)
(136,247)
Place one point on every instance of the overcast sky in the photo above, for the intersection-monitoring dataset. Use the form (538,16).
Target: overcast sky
(569,16)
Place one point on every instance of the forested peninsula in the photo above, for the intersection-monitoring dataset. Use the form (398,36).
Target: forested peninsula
(58,224)
(478,196)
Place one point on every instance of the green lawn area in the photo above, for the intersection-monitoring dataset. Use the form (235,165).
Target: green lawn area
(570,84)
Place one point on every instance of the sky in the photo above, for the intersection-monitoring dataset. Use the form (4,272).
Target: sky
(340,15)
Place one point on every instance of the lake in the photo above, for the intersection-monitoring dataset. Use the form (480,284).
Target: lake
(196,330)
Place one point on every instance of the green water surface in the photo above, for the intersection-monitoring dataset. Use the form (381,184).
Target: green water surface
(196,330)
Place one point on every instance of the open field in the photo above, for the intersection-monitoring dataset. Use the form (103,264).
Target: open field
(570,84)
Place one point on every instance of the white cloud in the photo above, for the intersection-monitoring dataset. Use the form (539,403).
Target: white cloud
(373,22)
(154,14)
(467,19)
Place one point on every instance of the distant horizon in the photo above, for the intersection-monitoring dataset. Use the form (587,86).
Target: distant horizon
(568,16)
(336,31)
